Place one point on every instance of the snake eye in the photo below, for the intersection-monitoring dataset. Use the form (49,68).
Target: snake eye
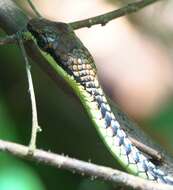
(41,41)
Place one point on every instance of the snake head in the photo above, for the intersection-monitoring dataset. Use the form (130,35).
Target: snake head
(58,40)
(48,34)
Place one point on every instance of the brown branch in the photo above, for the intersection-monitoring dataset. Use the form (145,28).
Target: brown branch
(105,18)
(155,155)
(81,167)
(33,8)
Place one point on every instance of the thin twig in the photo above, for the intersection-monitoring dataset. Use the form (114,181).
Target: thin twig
(33,8)
(155,155)
(83,168)
(105,18)
(8,40)
(35,126)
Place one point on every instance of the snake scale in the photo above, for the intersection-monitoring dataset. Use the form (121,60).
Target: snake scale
(58,43)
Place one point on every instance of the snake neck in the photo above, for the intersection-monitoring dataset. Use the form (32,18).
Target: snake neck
(116,139)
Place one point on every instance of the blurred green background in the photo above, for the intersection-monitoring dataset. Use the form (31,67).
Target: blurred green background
(66,129)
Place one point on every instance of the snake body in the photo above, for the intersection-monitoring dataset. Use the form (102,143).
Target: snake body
(58,43)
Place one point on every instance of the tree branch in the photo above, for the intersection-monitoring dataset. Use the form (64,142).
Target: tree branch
(35,126)
(33,8)
(155,155)
(82,168)
(105,18)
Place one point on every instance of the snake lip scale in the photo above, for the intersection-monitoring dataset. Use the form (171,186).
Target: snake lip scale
(59,44)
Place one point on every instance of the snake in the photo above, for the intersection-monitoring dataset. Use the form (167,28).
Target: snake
(65,52)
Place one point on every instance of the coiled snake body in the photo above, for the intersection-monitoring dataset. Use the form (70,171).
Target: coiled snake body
(58,43)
